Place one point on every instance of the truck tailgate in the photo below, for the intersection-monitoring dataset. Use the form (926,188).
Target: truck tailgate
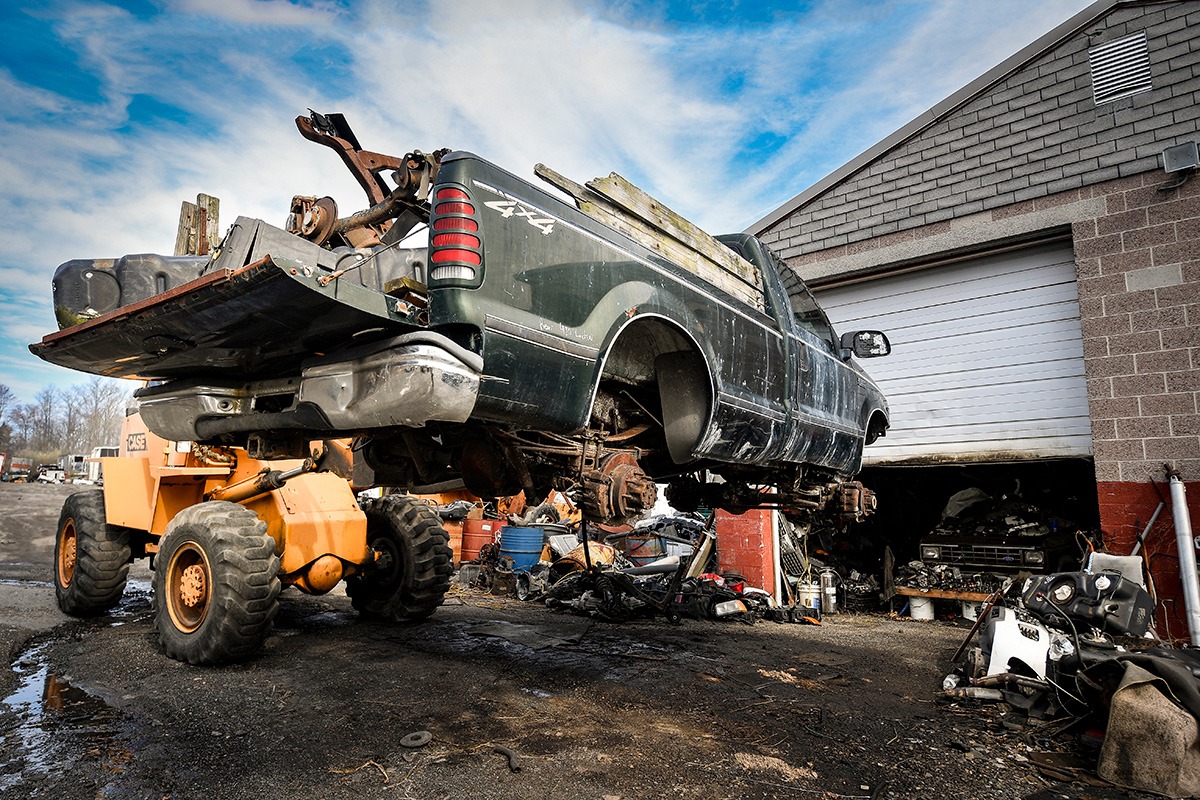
(256,321)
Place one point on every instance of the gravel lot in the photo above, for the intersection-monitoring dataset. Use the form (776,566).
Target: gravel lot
(588,710)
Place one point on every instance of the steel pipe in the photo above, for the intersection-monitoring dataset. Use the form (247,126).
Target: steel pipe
(1187,556)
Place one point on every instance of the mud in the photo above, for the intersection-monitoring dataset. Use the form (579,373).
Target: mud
(91,709)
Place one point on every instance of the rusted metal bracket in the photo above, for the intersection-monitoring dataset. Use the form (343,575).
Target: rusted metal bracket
(413,173)
(332,131)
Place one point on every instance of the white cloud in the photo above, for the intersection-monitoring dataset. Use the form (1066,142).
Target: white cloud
(262,12)
(585,89)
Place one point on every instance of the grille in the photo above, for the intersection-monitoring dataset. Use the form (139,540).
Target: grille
(982,555)
(1120,68)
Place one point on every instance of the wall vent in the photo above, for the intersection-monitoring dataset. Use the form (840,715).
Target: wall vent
(1120,68)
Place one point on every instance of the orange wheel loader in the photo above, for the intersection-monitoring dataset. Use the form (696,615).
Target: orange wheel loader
(226,532)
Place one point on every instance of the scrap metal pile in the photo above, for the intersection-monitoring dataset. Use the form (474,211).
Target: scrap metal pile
(1074,646)
(982,533)
(943,577)
(666,568)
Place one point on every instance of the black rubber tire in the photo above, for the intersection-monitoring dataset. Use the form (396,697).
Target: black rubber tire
(91,557)
(411,578)
(228,546)
(685,494)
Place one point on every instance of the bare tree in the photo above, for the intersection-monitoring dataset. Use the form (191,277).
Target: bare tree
(22,418)
(74,420)
(7,400)
(102,407)
(47,426)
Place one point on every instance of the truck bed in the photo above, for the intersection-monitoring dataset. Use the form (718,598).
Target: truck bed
(256,320)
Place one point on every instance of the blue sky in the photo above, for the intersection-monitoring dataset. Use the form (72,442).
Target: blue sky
(112,113)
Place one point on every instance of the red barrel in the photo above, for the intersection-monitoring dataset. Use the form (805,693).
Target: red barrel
(476,533)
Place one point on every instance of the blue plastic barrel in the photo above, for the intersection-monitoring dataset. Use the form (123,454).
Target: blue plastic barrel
(522,545)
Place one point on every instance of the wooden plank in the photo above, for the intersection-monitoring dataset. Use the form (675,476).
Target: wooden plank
(641,205)
(188,214)
(211,235)
(942,594)
(198,232)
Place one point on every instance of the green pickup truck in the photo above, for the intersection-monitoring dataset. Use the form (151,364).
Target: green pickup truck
(588,340)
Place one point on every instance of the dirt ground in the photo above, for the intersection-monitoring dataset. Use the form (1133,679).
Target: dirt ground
(91,709)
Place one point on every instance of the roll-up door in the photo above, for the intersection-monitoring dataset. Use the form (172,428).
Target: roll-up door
(987,357)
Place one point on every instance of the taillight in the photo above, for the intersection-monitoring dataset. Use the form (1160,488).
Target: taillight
(449,254)
(455,249)
(454,208)
(455,224)
(455,240)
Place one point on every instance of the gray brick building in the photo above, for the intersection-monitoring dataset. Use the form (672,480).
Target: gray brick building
(1039,264)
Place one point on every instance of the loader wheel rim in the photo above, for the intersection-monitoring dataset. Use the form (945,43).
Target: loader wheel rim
(67,544)
(189,587)
(388,561)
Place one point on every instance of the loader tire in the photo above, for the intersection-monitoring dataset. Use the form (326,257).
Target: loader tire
(412,572)
(216,584)
(91,557)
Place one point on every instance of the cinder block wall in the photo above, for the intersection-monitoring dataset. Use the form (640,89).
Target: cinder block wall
(1033,152)
(1139,296)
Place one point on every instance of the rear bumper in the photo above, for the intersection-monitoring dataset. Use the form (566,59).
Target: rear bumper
(408,381)
(410,386)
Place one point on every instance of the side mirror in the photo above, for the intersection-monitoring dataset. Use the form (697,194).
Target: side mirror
(865,344)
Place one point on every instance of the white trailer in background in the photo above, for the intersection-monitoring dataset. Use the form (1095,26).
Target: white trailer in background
(95,468)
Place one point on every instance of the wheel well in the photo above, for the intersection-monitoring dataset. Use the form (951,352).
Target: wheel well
(632,355)
(659,358)
(876,426)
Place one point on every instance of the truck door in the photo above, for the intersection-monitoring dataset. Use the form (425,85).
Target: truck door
(824,428)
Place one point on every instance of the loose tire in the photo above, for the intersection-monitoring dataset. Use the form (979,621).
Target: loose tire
(91,557)
(410,578)
(216,584)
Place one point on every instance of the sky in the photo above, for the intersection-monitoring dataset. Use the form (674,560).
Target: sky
(112,113)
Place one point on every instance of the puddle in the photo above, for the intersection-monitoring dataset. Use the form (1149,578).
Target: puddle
(135,606)
(57,725)
(16,582)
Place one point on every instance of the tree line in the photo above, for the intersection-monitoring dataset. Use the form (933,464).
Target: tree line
(63,421)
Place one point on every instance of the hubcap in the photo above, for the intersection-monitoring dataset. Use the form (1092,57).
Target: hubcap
(188,587)
(387,561)
(191,587)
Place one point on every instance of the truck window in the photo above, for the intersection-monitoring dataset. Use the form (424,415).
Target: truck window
(805,310)
(810,317)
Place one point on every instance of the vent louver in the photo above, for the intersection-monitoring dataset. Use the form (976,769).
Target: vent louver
(1120,68)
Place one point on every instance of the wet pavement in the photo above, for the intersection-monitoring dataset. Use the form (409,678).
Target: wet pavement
(584,709)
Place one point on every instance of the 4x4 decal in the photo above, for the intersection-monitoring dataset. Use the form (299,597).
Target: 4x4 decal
(511,208)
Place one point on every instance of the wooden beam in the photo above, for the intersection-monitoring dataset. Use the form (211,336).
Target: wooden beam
(943,594)
(199,229)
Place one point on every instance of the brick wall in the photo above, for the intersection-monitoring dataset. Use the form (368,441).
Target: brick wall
(1033,134)
(1128,508)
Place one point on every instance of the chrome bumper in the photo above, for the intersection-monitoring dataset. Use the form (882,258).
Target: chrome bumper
(402,385)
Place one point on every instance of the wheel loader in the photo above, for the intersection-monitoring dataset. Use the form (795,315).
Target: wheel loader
(226,533)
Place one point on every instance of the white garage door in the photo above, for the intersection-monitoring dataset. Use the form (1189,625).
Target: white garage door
(987,357)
